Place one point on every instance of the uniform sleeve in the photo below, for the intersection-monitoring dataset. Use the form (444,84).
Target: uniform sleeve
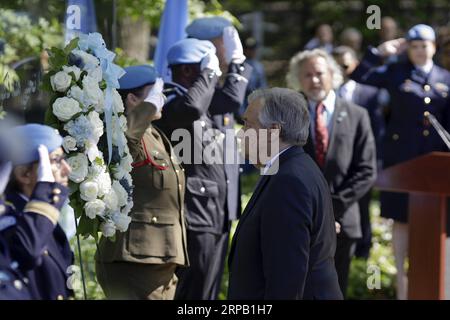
(285,239)
(138,120)
(229,98)
(28,238)
(183,110)
(370,71)
(362,172)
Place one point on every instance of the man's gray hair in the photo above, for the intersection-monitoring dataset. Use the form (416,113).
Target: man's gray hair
(286,108)
(296,63)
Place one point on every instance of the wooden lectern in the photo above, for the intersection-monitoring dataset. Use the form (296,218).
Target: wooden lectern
(427,180)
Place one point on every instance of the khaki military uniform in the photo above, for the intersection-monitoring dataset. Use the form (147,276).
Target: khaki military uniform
(141,263)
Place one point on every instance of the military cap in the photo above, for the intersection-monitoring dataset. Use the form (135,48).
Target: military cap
(27,139)
(207,28)
(137,76)
(420,32)
(188,51)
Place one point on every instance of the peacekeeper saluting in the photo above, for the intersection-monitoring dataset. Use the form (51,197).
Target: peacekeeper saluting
(198,104)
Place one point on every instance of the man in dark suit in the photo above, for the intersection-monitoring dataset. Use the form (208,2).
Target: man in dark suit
(284,244)
(199,106)
(373,100)
(342,144)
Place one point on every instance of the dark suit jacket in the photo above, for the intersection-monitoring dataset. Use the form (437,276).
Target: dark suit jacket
(39,244)
(350,163)
(211,188)
(285,242)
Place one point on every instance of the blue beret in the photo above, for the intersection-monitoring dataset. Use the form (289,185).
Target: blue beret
(189,51)
(137,76)
(207,28)
(421,32)
(27,139)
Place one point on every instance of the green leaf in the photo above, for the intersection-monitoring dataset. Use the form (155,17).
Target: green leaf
(71,45)
(57,58)
(50,119)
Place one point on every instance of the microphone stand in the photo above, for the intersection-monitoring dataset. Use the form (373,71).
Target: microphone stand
(445,136)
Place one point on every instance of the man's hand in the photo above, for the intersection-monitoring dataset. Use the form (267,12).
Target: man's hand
(338,227)
(234,53)
(45,173)
(155,95)
(392,47)
(211,62)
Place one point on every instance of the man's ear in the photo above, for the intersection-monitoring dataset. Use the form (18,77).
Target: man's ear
(132,99)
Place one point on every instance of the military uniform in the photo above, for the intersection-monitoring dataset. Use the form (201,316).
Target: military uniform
(141,263)
(408,134)
(35,242)
(212,189)
(12,282)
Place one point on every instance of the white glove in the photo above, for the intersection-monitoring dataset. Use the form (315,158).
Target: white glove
(45,173)
(155,95)
(233,47)
(210,61)
(392,47)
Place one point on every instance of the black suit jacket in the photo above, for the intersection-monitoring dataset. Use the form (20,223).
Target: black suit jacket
(350,163)
(285,242)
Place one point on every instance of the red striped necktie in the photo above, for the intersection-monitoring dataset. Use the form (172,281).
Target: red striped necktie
(321,132)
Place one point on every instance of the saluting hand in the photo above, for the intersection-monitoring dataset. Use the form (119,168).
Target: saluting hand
(392,47)
(155,95)
(233,46)
(45,173)
(210,61)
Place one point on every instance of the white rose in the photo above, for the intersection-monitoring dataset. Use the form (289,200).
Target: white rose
(121,221)
(111,200)
(93,95)
(94,208)
(121,193)
(76,71)
(96,125)
(89,61)
(126,163)
(93,152)
(117,102)
(60,81)
(79,166)
(65,108)
(126,210)
(123,123)
(88,190)
(119,172)
(96,74)
(76,93)
(104,183)
(108,228)
(69,144)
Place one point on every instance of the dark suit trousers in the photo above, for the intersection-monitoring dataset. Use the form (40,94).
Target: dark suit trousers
(345,249)
(365,243)
(202,279)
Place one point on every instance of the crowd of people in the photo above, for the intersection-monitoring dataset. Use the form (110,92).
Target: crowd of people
(345,116)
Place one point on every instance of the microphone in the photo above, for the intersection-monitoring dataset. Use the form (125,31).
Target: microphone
(445,136)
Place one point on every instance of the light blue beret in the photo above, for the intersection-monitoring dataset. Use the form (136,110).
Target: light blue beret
(27,139)
(421,32)
(137,76)
(207,28)
(189,51)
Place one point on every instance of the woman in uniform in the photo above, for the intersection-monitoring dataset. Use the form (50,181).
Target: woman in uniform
(141,263)
(415,85)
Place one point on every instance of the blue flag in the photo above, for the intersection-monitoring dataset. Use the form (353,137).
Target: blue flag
(174,21)
(80,18)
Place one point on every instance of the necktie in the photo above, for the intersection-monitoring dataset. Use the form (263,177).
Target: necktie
(321,132)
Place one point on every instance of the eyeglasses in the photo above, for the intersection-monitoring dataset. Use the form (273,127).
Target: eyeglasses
(58,160)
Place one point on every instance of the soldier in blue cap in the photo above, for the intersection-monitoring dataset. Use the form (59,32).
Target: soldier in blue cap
(141,263)
(415,86)
(196,102)
(37,191)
